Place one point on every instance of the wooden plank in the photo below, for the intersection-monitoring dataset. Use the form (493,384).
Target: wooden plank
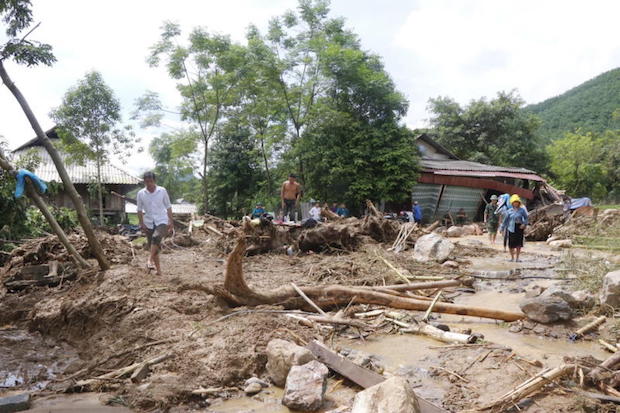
(359,375)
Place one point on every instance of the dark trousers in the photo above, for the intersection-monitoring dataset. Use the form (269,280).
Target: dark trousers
(289,209)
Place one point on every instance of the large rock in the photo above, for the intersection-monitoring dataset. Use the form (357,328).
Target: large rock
(394,395)
(582,299)
(305,387)
(281,356)
(454,232)
(561,243)
(560,291)
(546,309)
(610,293)
(432,247)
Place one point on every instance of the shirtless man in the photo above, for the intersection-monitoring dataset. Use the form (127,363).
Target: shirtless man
(290,194)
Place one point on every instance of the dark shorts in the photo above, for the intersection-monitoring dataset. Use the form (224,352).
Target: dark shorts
(515,239)
(289,208)
(154,236)
(492,226)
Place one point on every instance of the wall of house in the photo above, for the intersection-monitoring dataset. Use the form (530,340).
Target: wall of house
(429,152)
(111,204)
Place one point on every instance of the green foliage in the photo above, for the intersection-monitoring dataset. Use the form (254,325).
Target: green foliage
(89,125)
(17,16)
(588,107)
(175,163)
(37,225)
(498,131)
(586,164)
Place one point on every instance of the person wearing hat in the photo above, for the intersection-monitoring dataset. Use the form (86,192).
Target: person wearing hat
(259,211)
(514,223)
(491,219)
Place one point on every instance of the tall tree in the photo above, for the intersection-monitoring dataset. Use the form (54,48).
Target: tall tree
(208,69)
(90,124)
(175,162)
(17,16)
(497,131)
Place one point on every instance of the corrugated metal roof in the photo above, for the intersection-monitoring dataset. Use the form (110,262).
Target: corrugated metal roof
(79,174)
(481,174)
(456,165)
(176,208)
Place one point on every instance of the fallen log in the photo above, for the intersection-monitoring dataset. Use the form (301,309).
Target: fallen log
(439,335)
(237,292)
(422,286)
(529,386)
(608,346)
(588,327)
(613,361)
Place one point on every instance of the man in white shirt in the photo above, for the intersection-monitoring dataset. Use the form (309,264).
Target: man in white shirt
(155,215)
(315,212)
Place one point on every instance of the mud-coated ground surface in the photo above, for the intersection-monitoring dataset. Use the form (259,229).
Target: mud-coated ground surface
(99,317)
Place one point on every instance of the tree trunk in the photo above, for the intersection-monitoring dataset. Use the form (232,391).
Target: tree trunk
(100,191)
(267,172)
(236,291)
(205,183)
(73,194)
(38,201)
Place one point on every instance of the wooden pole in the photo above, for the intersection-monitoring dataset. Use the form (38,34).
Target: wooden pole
(38,201)
(62,171)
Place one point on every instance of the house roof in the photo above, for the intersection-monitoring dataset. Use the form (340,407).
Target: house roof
(439,148)
(79,174)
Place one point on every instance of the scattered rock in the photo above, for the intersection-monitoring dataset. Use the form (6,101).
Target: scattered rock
(450,264)
(563,243)
(516,327)
(535,291)
(16,403)
(281,356)
(394,395)
(582,299)
(610,293)
(546,309)
(253,388)
(251,380)
(454,232)
(362,359)
(560,291)
(432,247)
(305,387)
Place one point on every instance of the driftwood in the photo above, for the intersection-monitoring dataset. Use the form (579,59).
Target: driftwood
(588,327)
(138,369)
(237,292)
(329,214)
(530,386)
(427,314)
(613,361)
(372,210)
(440,335)
(423,286)
(608,346)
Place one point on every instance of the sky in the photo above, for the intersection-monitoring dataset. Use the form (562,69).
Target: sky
(464,49)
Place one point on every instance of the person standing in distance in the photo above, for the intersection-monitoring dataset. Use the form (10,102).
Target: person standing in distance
(289,195)
(155,216)
(417,213)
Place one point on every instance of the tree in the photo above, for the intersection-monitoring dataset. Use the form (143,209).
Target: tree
(175,163)
(576,163)
(17,15)
(498,131)
(208,70)
(89,121)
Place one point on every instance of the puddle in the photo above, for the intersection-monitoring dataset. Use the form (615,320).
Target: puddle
(28,362)
(73,403)
(269,401)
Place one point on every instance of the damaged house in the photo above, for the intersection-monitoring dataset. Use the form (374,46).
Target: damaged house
(113,179)
(446,183)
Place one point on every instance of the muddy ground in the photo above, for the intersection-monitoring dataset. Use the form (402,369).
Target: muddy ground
(89,326)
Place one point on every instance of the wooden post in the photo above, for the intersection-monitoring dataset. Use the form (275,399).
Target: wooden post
(73,194)
(38,201)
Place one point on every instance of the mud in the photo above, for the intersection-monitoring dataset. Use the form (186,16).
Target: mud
(101,318)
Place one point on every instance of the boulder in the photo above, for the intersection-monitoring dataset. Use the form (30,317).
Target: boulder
(561,243)
(546,309)
(454,232)
(305,387)
(260,382)
(560,291)
(253,388)
(15,403)
(610,293)
(394,395)
(471,229)
(281,356)
(432,247)
(450,264)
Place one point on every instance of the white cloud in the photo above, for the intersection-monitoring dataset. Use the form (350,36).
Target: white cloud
(463,49)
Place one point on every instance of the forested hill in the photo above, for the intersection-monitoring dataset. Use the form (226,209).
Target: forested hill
(588,106)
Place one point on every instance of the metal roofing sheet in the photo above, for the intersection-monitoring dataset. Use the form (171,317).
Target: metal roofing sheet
(79,174)
(455,165)
(518,175)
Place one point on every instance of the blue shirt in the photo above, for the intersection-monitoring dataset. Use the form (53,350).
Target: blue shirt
(343,212)
(513,217)
(258,212)
(417,212)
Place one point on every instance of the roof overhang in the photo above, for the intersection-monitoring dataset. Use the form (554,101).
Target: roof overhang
(486,174)
(473,182)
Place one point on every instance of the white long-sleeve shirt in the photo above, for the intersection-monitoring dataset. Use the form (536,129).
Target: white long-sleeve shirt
(154,205)
(315,213)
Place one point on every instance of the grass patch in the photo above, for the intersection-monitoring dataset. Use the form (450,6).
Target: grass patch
(610,206)
(587,270)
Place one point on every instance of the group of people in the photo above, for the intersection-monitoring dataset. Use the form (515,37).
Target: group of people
(339,209)
(510,219)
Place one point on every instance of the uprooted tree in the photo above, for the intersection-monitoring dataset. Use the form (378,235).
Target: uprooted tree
(17,16)
(236,292)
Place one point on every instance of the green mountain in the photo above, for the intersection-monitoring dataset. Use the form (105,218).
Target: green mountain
(588,107)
